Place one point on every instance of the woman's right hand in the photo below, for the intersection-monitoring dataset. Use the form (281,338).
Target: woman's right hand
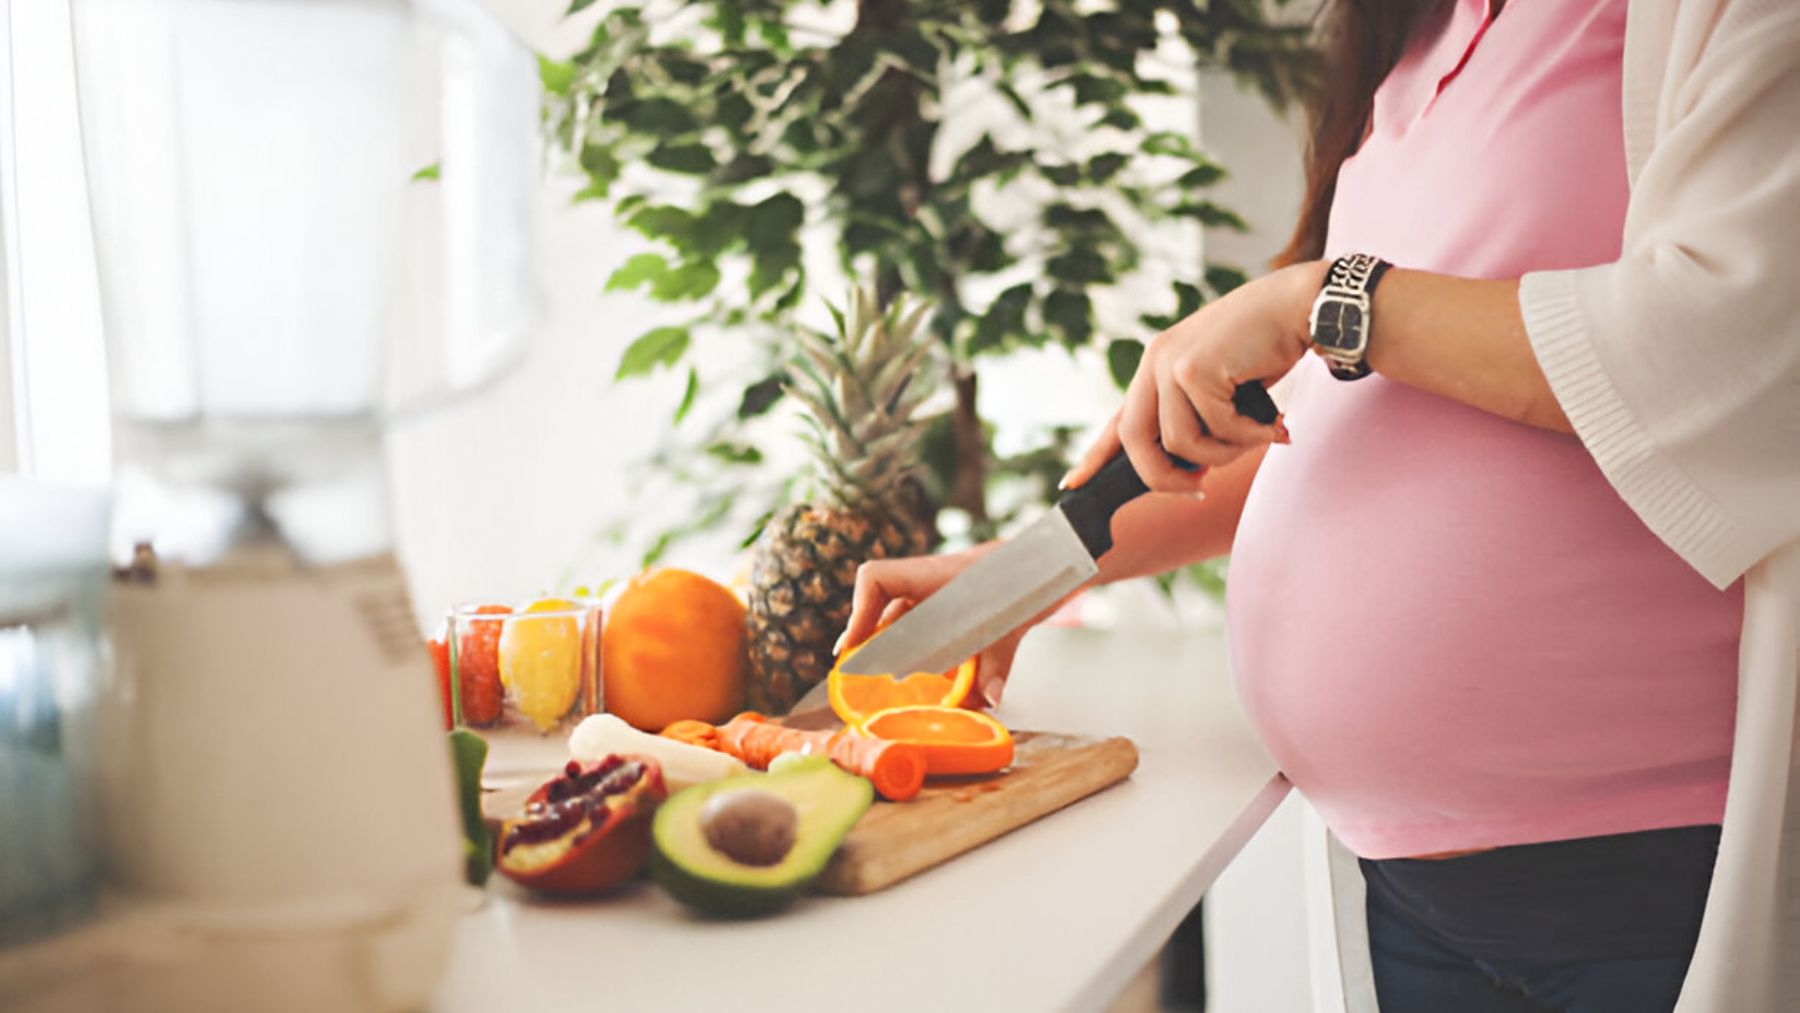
(886,588)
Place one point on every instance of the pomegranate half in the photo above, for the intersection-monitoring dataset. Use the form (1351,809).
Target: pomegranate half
(585,831)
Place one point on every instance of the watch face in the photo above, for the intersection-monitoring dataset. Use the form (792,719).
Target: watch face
(1340,325)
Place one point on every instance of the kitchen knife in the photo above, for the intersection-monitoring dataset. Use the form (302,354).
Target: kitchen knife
(1023,576)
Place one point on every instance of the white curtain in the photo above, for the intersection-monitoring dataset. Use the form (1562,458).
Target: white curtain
(53,417)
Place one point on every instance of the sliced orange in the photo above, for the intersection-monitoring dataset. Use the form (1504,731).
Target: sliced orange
(953,740)
(855,697)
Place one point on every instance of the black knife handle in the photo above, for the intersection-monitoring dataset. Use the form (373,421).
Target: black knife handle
(1090,508)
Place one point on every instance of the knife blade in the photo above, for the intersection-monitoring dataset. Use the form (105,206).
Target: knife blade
(1024,575)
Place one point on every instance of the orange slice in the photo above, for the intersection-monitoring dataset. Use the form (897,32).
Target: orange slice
(855,697)
(953,740)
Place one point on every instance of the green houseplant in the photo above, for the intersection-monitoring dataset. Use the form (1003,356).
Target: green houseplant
(740,136)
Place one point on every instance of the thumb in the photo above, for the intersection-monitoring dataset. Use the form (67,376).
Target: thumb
(996,666)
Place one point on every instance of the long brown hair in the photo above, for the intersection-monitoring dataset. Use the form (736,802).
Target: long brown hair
(1361,41)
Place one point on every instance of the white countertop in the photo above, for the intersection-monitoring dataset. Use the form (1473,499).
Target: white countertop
(1057,915)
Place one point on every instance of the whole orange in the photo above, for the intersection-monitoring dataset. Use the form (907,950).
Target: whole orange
(673,650)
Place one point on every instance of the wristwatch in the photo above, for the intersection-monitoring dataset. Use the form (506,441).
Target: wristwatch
(1340,317)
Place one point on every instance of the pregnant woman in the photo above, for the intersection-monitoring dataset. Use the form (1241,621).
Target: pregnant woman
(1488,599)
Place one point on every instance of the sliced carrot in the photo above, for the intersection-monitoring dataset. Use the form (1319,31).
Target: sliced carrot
(897,770)
(696,733)
(952,740)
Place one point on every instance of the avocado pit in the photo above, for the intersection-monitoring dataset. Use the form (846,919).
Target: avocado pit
(750,826)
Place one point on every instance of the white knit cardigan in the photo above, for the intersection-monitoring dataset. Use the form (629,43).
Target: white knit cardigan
(1679,366)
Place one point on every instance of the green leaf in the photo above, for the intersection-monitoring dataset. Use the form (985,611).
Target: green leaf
(556,75)
(1090,90)
(1211,214)
(1071,313)
(760,396)
(641,269)
(735,453)
(756,529)
(1169,142)
(659,116)
(1122,357)
(1121,118)
(428,172)
(662,346)
(680,67)
(1069,218)
(1004,317)
(1062,174)
(1078,267)
(687,397)
(673,225)
(1222,279)
(689,281)
(773,221)
(1102,168)
(983,158)
(719,227)
(1201,175)
(733,111)
(654,554)
(993,11)
(775,34)
(694,159)
(577,6)
(987,252)
(866,237)
(1189,298)
(772,265)
(598,160)
(743,167)
(730,23)
(1017,101)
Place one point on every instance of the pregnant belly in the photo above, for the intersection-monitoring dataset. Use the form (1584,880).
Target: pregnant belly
(1451,632)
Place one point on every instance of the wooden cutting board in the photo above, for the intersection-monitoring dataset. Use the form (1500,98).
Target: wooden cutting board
(893,840)
(950,816)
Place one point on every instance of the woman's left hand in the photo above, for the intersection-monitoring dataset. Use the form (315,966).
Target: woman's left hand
(1180,400)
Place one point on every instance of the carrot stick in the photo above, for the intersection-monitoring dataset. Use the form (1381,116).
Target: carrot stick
(896,769)
(696,733)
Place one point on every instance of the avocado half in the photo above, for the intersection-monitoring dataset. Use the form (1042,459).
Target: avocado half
(827,802)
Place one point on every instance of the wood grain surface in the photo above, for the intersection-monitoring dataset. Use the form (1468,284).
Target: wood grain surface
(894,840)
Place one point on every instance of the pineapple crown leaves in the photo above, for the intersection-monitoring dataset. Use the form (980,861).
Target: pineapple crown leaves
(861,387)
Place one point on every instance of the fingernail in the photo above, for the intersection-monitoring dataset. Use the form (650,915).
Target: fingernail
(1063,483)
(1281,431)
(1198,496)
(838,648)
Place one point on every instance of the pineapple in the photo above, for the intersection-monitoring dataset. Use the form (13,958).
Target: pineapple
(861,388)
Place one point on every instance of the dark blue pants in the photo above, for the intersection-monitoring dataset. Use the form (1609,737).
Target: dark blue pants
(1596,925)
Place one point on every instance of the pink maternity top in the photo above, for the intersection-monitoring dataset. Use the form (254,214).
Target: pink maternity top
(1450,630)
